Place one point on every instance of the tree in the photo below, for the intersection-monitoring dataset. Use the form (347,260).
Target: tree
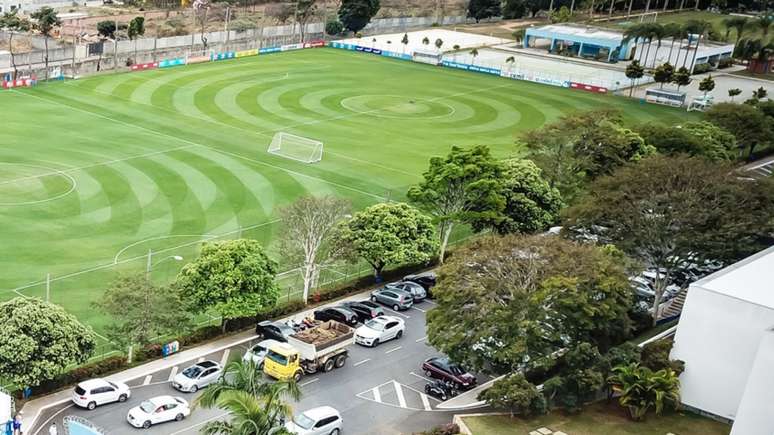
(474,54)
(305,10)
(581,374)
(391,233)
(234,278)
(507,303)
(676,32)
(11,23)
(462,187)
(734,92)
(655,356)
(39,340)
(663,74)
(737,23)
(404,41)
(670,211)
(762,23)
(308,234)
(136,29)
(107,29)
(355,14)
(333,27)
(641,389)
(681,77)
(697,27)
(438,44)
(748,124)
(483,9)
(256,407)
(634,71)
(707,85)
(46,20)
(141,311)
(561,15)
(531,204)
(516,394)
(693,138)
(514,9)
(201,9)
(760,93)
(281,12)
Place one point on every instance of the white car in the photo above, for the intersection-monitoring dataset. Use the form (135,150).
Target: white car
(158,410)
(323,420)
(94,392)
(379,329)
(258,352)
(197,376)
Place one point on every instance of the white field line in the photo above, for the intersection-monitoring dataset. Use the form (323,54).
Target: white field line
(370,390)
(421,393)
(418,309)
(202,237)
(180,139)
(399,393)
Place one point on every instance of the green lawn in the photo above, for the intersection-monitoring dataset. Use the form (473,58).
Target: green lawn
(599,419)
(97,171)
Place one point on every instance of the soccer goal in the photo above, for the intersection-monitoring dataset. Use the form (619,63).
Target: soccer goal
(295,147)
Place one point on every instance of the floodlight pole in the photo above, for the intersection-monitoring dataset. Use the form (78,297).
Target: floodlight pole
(48,287)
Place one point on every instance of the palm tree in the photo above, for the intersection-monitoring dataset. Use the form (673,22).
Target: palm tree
(656,31)
(700,27)
(673,31)
(635,32)
(46,19)
(510,60)
(641,389)
(737,23)
(11,22)
(405,42)
(439,44)
(763,23)
(474,53)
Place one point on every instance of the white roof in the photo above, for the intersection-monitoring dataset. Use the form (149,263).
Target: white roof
(751,279)
(320,412)
(93,383)
(590,32)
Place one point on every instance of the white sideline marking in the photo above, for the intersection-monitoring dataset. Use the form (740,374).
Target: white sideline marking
(361,362)
(421,339)
(311,381)
(172,373)
(425,401)
(377,394)
(224,358)
(399,393)
(393,350)
(147,380)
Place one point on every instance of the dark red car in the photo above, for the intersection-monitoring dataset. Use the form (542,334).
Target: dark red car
(442,368)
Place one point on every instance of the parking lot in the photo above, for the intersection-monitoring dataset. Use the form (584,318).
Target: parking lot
(378,391)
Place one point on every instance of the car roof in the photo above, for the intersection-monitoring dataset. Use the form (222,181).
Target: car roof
(385,319)
(320,412)
(93,383)
(428,274)
(207,364)
(369,304)
(395,290)
(161,400)
(266,343)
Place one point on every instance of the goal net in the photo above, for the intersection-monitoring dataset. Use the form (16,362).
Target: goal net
(294,147)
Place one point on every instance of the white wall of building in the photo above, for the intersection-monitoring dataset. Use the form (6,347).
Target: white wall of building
(755,416)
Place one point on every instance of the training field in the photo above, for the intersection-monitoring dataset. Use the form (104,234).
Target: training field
(95,172)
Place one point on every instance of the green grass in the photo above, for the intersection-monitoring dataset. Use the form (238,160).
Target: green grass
(599,418)
(98,171)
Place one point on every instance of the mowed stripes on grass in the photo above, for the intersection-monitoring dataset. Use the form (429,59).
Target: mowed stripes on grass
(97,171)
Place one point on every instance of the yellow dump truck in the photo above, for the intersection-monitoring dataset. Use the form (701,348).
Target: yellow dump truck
(321,348)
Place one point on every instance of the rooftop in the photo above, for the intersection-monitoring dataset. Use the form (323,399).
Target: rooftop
(588,32)
(751,279)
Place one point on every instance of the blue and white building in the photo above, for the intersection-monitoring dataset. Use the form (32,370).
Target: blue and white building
(581,41)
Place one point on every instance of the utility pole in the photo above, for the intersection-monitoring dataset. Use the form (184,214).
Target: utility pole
(115,46)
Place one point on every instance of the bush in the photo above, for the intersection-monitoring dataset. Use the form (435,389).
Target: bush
(444,429)
(655,356)
(701,68)
(516,394)
(333,28)
(97,369)
(725,62)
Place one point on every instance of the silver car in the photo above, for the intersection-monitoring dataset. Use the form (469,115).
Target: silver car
(257,353)
(416,290)
(394,298)
(197,376)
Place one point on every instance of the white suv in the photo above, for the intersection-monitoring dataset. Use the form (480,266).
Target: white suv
(94,392)
(380,329)
(323,420)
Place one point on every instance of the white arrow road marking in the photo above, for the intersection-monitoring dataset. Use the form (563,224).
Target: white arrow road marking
(399,393)
(172,373)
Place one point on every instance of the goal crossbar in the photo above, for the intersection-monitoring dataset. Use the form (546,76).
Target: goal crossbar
(295,147)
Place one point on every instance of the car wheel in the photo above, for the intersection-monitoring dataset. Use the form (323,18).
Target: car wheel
(373,298)
(328,366)
(260,367)
(428,373)
(147,424)
(335,432)
(179,417)
(396,307)
(122,398)
(195,388)
(91,406)
(375,343)
(399,335)
(297,376)
(340,361)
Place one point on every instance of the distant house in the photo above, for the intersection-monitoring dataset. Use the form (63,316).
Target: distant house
(726,338)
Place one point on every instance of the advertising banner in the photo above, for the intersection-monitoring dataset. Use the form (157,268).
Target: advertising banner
(589,88)
(166,63)
(269,50)
(222,56)
(290,47)
(144,66)
(246,53)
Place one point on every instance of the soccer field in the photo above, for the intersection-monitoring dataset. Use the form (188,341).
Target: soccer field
(97,171)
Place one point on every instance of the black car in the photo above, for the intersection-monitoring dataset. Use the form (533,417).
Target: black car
(425,279)
(365,310)
(274,330)
(338,314)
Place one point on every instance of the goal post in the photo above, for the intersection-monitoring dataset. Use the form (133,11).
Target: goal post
(297,148)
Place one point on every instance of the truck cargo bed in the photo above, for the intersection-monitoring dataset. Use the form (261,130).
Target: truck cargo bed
(324,338)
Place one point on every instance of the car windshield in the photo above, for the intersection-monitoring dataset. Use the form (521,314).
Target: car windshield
(277,358)
(373,324)
(79,391)
(303,421)
(456,370)
(147,407)
(192,372)
(258,349)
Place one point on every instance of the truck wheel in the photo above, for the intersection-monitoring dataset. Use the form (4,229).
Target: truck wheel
(340,360)
(328,366)
(297,376)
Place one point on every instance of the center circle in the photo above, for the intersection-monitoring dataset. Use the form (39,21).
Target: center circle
(25,184)
(397,106)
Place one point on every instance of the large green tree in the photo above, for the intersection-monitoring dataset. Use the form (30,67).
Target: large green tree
(11,22)
(46,19)
(234,278)
(390,234)
(748,124)
(693,138)
(669,211)
(580,374)
(38,340)
(356,14)
(531,204)
(135,30)
(463,187)
(510,302)
(515,394)
(483,9)
(141,311)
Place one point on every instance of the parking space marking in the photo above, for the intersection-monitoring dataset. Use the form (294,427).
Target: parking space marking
(147,380)
(425,401)
(421,339)
(172,373)
(423,394)
(398,313)
(311,381)
(421,377)
(399,393)
(224,359)
(361,362)
(418,309)
(377,395)
(393,350)
(430,302)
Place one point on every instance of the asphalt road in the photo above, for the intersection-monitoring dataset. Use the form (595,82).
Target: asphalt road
(379,390)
